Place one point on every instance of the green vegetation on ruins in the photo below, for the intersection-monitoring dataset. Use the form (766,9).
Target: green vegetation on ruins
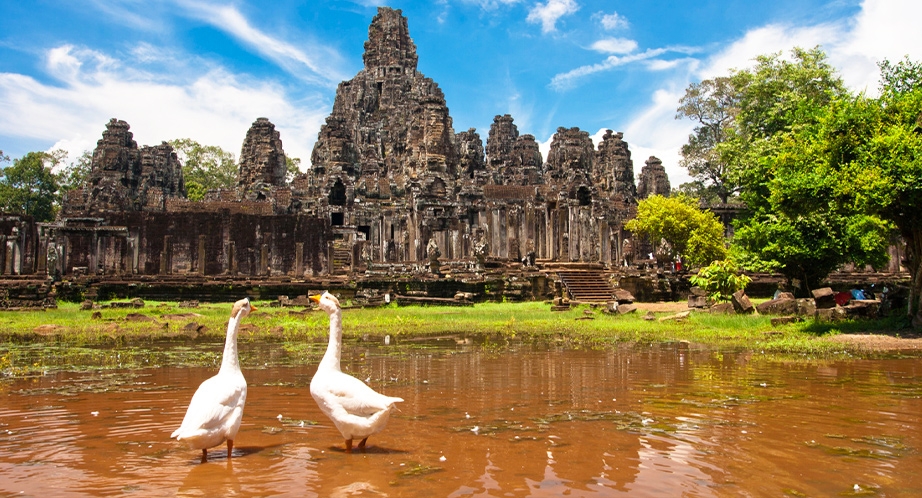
(68,338)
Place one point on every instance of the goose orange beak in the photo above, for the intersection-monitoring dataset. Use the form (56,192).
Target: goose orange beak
(315,298)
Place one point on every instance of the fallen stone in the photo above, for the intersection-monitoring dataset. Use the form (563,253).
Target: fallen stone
(138,317)
(824,298)
(784,320)
(779,306)
(741,302)
(678,316)
(626,308)
(724,308)
(650,316)
(623,296)
(864,308)
(830,314)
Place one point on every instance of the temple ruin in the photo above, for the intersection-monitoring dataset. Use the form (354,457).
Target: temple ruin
(390,184)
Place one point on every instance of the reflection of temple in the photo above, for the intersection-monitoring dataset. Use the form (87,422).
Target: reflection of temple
(389,175)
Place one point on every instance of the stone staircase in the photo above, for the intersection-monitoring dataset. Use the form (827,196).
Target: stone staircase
(587,285)
(342,257)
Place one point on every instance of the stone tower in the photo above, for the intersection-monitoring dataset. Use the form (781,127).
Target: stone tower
(653,179)
(390,133)
(124,177)
(262,160)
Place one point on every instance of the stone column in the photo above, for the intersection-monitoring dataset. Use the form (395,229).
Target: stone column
(299,259)
(264,260)
(201,255)
(166,257)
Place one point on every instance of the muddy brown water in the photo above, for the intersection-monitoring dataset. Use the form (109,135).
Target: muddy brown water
(480,421)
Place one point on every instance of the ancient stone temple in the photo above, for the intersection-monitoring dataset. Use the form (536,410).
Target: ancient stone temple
(391,188)
(391,174)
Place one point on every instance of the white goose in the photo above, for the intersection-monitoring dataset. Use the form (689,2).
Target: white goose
(216,409)
(355,409)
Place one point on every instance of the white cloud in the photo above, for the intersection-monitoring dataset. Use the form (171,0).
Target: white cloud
(611,21)
(566,80)
(292,59)
(615,46)
(213,107)
(656,132)
(548,13)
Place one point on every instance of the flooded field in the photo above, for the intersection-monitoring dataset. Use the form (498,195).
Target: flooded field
(483,421)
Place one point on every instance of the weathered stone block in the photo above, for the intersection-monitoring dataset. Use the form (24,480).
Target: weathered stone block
(741,302)
(824,298)
(830,314)
(698,291)
(624,309)
(784,320)
(865,308)
(623,296)
(721,308)
(780,306)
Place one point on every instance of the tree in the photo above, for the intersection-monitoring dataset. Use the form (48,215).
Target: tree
(884,150)
(205,167)
(696,235)
(713,104)
(293,166)
(791,141)
(29,187)
(77,173)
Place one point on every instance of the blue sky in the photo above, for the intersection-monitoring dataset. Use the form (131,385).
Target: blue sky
(206,70)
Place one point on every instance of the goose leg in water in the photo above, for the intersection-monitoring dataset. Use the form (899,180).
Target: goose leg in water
(230,447)
(204,455)
(362,444)
(348,446)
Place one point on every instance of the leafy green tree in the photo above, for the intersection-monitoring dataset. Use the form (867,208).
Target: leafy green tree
(879,142)
(713,105)
(205,167)
(788,138)
(29,187)
(696,235)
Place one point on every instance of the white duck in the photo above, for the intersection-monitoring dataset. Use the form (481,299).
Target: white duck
(355,409)
(216,409)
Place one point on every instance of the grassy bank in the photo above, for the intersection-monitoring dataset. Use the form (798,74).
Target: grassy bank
(161,321)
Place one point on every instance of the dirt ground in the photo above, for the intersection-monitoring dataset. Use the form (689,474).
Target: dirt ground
(871,342)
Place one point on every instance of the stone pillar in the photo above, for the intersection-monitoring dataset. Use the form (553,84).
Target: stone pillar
(14,252)
(264,260)
(231,258)
(299,258)
(201,255)
(166,256)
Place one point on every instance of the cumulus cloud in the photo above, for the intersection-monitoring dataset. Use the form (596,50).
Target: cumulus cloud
(213,107)
(547,14)
(611,21)
(615,46)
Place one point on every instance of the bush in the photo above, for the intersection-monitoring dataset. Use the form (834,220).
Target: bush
(721,279)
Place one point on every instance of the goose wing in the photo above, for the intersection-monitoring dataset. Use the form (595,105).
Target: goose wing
(213,404)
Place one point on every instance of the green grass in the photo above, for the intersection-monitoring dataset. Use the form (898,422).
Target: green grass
(28,344)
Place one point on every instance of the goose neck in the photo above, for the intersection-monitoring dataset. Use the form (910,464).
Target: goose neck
(334,349)
(230,361)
